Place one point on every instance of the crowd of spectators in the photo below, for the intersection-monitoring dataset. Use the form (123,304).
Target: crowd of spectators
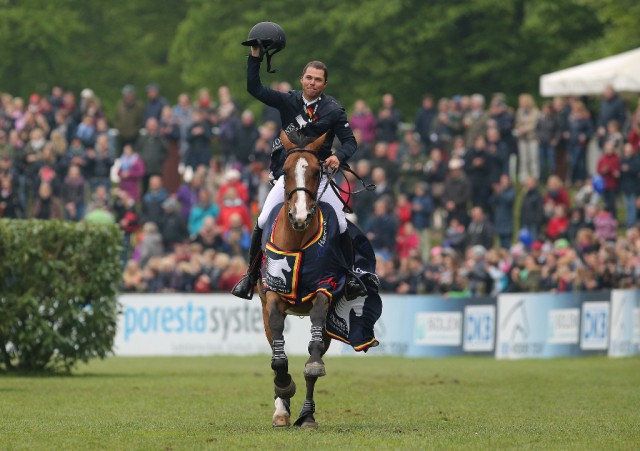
(471,199)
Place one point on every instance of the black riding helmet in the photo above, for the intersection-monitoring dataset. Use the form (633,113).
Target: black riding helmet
(270,37)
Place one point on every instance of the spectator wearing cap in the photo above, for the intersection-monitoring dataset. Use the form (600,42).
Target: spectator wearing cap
(232,180)
(233,204)
(128,117)
(457,191)
(155,103)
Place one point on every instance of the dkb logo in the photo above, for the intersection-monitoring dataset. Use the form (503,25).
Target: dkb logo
(479,328)
(595,326)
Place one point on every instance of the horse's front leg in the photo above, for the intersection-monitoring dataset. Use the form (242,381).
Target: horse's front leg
(314,367)
(318,315)
(284,386)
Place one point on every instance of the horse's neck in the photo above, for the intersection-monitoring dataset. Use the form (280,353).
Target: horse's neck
(287,238)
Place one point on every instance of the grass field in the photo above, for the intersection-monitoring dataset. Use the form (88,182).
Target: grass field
(363,403)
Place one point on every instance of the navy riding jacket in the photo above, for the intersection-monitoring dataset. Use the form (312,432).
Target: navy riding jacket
(324,116)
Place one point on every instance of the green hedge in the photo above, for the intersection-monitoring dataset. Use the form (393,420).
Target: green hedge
(58,293)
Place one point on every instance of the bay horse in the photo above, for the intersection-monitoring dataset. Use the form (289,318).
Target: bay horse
(296,225)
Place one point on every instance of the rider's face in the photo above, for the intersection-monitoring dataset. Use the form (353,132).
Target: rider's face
(313,83)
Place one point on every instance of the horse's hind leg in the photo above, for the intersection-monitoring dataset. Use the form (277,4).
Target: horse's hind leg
(318,314)
(284,386)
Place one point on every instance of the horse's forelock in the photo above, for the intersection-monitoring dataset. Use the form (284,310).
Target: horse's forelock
(299,140)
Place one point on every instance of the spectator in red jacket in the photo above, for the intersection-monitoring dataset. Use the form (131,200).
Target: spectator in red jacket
(558,224)
(232,203)
(407,242)
(233,181)
(556,195)
(609,169)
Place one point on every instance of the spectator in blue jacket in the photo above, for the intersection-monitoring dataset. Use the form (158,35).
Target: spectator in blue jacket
(382,228)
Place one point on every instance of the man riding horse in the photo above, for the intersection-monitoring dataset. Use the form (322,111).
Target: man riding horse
(310,113)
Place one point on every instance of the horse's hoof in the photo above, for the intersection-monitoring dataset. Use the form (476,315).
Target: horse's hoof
(314,369)
(281,421)
(285,392)
(309,424)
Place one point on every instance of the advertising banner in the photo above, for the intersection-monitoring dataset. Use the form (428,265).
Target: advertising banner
(188,324)
(625,323)
(544,325)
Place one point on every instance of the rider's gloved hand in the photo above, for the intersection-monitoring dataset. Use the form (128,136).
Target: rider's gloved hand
(272,179)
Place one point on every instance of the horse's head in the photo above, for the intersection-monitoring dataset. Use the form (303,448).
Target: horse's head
(302,170)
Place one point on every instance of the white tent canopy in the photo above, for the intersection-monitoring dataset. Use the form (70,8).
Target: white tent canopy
(622,71)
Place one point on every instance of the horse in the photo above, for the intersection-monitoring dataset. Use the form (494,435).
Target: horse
(298,222)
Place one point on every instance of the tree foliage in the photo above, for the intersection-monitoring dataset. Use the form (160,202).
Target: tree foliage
(406,47)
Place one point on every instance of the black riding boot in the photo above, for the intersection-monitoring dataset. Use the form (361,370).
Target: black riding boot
(354,287)
(245,286)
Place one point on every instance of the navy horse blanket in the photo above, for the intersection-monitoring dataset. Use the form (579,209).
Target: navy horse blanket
(299,274)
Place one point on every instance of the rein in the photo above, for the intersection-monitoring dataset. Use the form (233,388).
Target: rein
(331,174)
(337,190)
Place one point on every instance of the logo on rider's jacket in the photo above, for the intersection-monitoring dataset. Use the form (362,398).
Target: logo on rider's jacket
(280,271)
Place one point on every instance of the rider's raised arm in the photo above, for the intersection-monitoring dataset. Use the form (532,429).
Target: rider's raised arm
(343,131)
(255,87)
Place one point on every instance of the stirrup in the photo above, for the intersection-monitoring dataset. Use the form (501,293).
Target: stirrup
(244,288)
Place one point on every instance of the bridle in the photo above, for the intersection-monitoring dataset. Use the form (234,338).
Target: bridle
(315,197)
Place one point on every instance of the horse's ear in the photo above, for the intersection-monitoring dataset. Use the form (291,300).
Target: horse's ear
(314,146)
(286,142)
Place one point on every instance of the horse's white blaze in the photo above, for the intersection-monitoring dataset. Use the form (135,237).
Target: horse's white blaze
(301,201)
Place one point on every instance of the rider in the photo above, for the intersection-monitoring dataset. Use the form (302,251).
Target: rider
(311,113)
